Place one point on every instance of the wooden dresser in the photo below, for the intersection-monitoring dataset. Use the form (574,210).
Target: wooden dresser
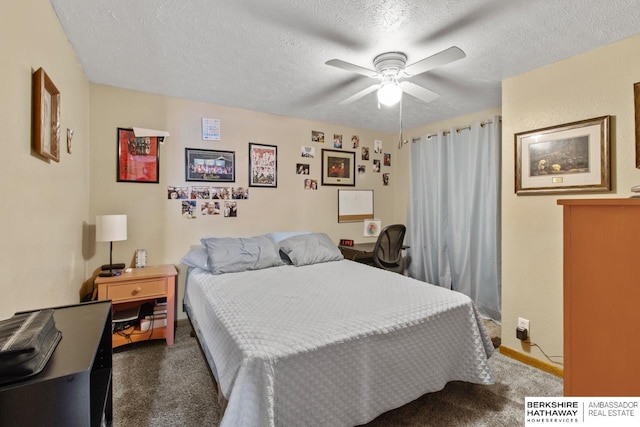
(601,297)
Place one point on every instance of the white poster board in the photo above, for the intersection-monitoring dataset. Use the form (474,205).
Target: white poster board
(355,205)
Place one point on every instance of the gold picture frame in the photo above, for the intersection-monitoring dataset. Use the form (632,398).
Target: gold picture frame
(45,137)
(569,158)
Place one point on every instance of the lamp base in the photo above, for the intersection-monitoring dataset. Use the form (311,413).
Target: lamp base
(119,266)
(110,273)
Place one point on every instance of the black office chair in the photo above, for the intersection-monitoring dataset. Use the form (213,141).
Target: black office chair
(387,253)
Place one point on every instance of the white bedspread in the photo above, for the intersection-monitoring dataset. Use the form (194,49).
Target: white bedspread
(333,344)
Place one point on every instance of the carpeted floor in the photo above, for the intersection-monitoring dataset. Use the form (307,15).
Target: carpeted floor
(156,385)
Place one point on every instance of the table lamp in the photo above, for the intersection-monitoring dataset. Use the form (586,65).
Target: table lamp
(111,228)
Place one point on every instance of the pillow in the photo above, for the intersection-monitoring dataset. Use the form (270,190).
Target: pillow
(196,258)
(278,237)
(230,255)
(311,248)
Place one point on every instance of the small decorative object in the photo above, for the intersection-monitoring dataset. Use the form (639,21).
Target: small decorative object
(263,165)
(45,133)
(111,228)
(138,157)
(337,140)
(338,167)
(210,165)
(372,228)
(141,258)
(69,139)
(573,157)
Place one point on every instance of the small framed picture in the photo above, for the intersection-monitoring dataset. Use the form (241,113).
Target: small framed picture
(138,158)
(210,165)
(263,165)
(338,167)
(45,136)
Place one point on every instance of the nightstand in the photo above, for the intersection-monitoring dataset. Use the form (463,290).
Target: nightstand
(141,285)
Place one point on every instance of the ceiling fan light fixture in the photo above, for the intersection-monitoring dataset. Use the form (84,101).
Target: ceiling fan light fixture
(389,93)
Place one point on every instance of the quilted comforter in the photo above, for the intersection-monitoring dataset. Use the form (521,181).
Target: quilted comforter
(331,344)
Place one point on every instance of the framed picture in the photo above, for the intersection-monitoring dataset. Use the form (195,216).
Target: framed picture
(210,165)
(138,157)
(338,167)
(45,132)
(263,165)
(574,157)
(636,100)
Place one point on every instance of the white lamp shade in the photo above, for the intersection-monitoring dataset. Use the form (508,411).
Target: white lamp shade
(111,228)
(389,93)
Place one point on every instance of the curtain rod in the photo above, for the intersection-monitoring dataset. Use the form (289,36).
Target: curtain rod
(458,130)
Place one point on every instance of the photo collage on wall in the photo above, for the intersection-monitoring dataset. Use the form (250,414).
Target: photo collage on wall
(205,201)
(337,143)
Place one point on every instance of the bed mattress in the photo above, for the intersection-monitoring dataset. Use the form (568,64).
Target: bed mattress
(335,343)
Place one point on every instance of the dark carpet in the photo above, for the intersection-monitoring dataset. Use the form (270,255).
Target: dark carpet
(156,385)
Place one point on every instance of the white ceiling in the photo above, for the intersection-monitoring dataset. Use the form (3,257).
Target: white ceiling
(269,55)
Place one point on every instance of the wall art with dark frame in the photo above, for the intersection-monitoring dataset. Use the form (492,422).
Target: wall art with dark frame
(569,158)
(338,167)
(210,165)
(138,158)
(263,165)
(45,121)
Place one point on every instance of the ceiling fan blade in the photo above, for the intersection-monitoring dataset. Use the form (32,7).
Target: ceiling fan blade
(360,94)
(351,67)
(434,61)
(419,92)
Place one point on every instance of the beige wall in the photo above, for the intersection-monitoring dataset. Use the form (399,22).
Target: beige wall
(594,84)
(155,223)
(44,204)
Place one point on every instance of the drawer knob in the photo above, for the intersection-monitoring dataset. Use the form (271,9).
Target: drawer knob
(137,290)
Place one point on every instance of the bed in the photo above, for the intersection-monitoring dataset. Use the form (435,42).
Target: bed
(296,335)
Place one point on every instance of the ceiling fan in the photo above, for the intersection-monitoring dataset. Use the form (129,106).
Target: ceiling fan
(391,69)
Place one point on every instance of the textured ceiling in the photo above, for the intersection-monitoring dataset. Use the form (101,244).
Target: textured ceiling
(269,55)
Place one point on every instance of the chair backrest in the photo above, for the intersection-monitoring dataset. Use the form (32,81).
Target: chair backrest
(387,253)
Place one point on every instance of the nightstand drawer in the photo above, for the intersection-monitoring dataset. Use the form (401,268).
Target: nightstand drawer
(139,290)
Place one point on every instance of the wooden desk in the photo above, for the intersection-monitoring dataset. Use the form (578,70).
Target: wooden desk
(361,252)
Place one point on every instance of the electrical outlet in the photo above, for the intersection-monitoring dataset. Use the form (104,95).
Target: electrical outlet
(523,323)
(522,331)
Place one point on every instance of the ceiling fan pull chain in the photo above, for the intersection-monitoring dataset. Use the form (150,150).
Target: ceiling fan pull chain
(400,140)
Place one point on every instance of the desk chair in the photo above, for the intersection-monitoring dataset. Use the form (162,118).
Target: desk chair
(387,252)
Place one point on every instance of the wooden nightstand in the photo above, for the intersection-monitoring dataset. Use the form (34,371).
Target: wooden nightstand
(132,289)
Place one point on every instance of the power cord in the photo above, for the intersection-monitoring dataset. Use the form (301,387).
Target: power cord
(545,354)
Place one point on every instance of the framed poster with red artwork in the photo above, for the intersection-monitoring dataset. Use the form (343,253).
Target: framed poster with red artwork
(138,157)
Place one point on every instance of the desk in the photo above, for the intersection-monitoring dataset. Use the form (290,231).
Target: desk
(361,252)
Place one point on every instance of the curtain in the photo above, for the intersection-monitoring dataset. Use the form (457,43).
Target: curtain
(454,218)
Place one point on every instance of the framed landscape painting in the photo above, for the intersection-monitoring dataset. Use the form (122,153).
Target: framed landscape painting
(573,157)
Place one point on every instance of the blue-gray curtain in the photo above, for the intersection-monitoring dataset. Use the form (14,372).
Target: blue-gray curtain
(454,218)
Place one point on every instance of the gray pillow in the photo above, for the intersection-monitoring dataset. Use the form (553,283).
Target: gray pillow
(311,248)
(230,255)
(196,258)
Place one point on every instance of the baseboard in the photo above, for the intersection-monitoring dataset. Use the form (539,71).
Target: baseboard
(532,361)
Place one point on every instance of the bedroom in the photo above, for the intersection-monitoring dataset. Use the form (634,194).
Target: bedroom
(48,206)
